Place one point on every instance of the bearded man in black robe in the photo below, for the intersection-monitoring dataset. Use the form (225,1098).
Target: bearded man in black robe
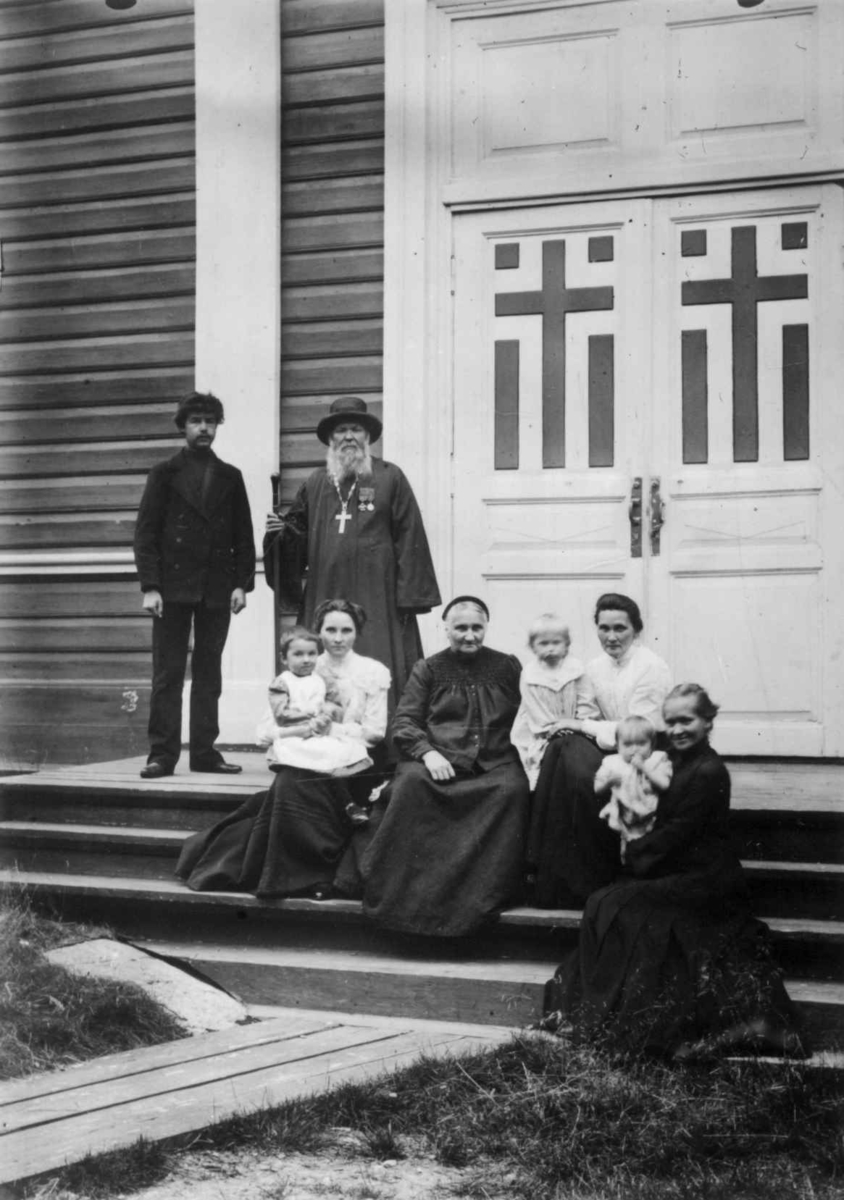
(355,531)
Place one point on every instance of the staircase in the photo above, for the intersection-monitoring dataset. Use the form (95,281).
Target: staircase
(97,842)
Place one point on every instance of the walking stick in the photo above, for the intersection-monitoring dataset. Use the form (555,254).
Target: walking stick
(275,480)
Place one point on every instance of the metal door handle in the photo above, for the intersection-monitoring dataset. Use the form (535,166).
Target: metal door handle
(657,515)
(635,514)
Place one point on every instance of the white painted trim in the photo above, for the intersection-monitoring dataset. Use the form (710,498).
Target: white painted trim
(238,290)
(458,8)
(83,561)
(417,398)
(651,191)
(830,348)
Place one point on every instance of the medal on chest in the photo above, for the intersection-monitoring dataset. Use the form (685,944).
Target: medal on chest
(366,502)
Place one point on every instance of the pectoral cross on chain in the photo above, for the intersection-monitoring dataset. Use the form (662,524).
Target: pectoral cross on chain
(344,515)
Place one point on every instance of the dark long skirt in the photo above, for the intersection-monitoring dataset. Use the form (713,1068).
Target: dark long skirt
(571,851)
(665,963)
(291,839)
(445,856)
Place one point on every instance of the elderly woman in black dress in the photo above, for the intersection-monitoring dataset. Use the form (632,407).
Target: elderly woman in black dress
(449,847)
(671,960)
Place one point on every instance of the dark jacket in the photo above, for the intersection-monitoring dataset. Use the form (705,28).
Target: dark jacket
(462,705)
(192,544)
(691,838)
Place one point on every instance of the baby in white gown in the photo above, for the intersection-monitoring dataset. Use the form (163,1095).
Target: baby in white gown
(634,778)
(303,708)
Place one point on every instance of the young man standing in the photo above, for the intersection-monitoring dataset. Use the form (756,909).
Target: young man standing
(195,557)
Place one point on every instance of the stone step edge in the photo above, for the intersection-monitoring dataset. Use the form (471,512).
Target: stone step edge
(49,834)
(171,891)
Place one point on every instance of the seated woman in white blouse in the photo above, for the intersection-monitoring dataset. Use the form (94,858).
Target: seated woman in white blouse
(571,852)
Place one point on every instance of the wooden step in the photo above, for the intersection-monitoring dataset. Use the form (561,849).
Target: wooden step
(307,953)
(435,987)
(160,1092)
(779,809)
(108,808)
(113,793)
(789,834)
(95,849)
(99,842)
(482,991)
(785,790)
(163,896)
(800,889)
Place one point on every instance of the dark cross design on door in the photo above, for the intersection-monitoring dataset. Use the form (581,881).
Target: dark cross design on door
(554,301)
(744,290)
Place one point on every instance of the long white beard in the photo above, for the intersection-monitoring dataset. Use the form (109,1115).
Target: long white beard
(343,462)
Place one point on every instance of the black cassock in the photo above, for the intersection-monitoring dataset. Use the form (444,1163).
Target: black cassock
(377,557)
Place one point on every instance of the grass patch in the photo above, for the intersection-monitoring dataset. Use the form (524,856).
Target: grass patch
(568,1123)
(104,1176)
(49,1017)
(539,1119)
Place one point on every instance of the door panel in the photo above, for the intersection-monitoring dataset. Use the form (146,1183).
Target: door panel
(691,345)
(745,562)
(551,364)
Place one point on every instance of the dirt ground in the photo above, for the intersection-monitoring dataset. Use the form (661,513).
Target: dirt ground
(341,1170)
(306,1177)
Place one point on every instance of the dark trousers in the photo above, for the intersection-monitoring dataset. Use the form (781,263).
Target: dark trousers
(170,639)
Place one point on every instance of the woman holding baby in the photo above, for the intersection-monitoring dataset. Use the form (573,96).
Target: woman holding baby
(571,849)
(631,815)
(671,961)
(297,838)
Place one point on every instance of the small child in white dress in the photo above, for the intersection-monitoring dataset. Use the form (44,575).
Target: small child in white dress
(303,709)
(550,687)
(634,778)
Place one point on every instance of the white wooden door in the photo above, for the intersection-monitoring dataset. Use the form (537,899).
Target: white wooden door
(742,578)
(644,401)
(549,330)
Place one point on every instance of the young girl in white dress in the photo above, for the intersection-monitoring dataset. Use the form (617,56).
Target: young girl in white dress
(550,686)
(303,709)
(634,778)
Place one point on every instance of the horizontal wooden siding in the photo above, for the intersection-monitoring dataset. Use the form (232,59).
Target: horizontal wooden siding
(332,217)
(97,221)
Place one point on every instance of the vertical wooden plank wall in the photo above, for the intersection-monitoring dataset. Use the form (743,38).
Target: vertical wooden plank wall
(332,217)
(97,223)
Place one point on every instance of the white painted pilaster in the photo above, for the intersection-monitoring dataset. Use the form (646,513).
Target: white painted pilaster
(417,401)
(238,300)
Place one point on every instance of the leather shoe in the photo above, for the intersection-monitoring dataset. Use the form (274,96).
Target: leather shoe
(219,768)
(155,770)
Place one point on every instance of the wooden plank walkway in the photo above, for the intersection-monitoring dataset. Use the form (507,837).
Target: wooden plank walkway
(50,1120)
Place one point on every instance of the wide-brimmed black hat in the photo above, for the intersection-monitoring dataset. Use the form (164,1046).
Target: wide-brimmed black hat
(348,408)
